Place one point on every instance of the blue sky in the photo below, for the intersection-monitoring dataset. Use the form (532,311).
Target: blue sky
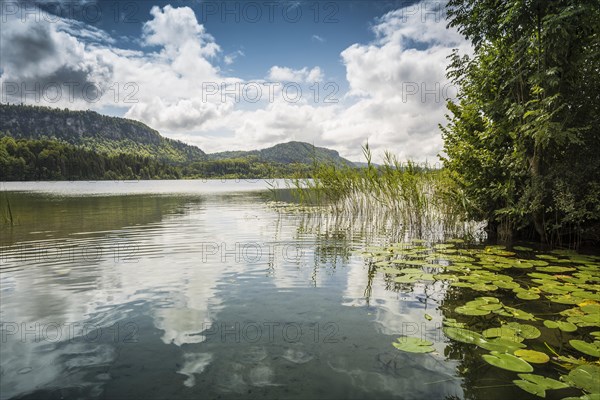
(241,74)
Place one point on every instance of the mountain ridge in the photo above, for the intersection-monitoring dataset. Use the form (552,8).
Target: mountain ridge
(287,152)
(116,135)
(93,131)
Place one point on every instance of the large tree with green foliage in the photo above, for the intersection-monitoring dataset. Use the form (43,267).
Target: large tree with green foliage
(523,139)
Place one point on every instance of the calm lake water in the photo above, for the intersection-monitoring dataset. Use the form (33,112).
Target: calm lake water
(202,289)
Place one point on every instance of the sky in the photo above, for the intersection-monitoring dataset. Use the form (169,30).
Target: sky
(241,75)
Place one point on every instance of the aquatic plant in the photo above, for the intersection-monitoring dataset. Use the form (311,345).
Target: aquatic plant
(419,198)
(515,307)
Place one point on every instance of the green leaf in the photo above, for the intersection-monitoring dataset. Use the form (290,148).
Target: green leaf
(413,345)
(519,314)
(592,349)
(530,387)
(532,356)
(453,323)
(585,377)
(462,335)
(564,326)
(500,344)
(546,383)
(524,331)
(528,296)
(465,310)
(507,362)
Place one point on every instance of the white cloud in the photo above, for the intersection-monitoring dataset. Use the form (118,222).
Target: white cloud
(396,98)
(162,88)
(318,38)
(285,74)
(176,30)
(229,59)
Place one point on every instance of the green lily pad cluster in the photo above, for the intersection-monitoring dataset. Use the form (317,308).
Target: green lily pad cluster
(487,305)
(505,287)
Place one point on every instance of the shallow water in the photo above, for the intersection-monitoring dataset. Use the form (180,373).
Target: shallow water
(191,289)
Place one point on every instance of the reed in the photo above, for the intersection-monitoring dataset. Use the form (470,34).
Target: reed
(420,199)
(7,218)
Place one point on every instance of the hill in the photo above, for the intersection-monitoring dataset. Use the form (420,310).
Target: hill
(287,153)
(48,143)
(93,131)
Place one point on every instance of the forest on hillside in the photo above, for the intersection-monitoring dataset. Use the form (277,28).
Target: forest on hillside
(27,160)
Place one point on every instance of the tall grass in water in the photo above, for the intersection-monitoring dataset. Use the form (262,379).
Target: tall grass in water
(423,200)
(7,216)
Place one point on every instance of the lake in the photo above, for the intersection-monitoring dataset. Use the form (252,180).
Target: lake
(208,289)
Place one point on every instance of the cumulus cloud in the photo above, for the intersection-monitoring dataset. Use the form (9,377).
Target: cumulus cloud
(286,74)
(229,59)
(161,86)
(177,31)
(396,97)
(39,56)
(401,85)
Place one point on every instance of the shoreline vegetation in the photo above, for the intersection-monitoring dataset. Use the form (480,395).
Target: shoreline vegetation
(413,198)
(52,160)
(417,199)
(521,144)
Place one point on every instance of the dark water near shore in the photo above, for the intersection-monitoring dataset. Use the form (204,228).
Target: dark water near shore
(190,289)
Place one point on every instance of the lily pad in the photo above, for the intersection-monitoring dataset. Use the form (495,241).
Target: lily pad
(519,314)
(501,344)
(528,296)
(481,287)
(530,387)
(593,396)
(507,362)
(462,335)
(585,377)
(413,345)
(590,308)
(532,356)
(524,331)
(453,323)
(502,331)
(554,268)
(506,284)
(565,299)
(564,326)
(537,384)
(391,271)
(546,383)
(584,320)
(591,349)
(465,310)
(521,264)
(490,307)
(405,279)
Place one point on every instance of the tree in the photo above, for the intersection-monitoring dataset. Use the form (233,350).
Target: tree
(523,140)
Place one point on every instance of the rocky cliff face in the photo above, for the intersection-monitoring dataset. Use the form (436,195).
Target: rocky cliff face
(93,130)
